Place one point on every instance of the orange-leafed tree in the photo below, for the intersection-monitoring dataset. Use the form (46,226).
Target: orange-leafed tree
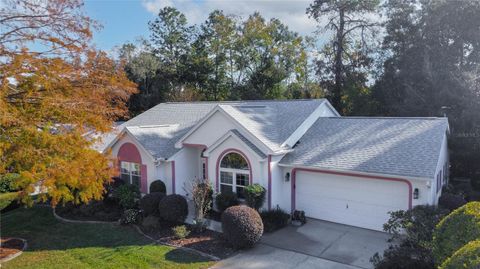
(56,89)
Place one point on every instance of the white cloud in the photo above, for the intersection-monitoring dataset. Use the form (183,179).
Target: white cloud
(290,12)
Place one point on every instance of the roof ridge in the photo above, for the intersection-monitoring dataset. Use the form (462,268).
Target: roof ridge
(389,118)
(243,101)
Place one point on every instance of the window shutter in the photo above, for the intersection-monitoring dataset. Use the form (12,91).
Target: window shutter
(143,179)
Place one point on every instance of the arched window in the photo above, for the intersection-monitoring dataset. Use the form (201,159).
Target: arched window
(234,174)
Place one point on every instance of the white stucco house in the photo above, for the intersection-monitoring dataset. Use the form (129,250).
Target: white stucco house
(350,170)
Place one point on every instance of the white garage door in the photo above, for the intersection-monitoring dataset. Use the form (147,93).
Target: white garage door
(349,200)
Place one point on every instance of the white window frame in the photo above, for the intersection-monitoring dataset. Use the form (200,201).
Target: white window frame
(234,173)
(131,172)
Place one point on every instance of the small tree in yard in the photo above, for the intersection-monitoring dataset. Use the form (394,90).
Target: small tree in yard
(201,193)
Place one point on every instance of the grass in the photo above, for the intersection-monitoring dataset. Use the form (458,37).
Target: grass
(54,244)
(7,198)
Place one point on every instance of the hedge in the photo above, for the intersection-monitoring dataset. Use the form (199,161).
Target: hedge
(466,257)
(455,230)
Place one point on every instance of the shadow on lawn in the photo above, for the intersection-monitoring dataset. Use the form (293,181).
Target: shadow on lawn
(181,256)
(43,232)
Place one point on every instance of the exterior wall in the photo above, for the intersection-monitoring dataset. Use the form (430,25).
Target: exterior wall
(278,182)
(186,168)
(440,167)
(146,157)
(258,166)
(164,173)
(211,130)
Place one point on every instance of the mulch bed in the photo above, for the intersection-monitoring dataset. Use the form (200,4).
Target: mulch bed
(209,242)
(10,246)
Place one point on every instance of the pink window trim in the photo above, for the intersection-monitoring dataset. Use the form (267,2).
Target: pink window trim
(269,182)
(173,177)
(294,172)
(220,157)
(128,152)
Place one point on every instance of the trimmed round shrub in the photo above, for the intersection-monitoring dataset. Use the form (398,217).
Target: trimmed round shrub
(451,201)
(173,208)
(455,230)
(242,226)
(151,222)
(158,186)
(149,203)
(255,196)
(225,200)
(466,257)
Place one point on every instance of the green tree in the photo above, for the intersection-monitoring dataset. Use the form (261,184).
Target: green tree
(433,50)
(171,38)
(345,57)
(141,66)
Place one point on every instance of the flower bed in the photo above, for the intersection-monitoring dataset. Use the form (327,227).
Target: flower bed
(10,247)
(209,242)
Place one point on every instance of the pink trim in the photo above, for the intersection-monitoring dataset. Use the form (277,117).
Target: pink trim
(269,182)
(173,177)
(206,167)
(143,179)
(294,172)
(128,152)
(194,145)
(225,152)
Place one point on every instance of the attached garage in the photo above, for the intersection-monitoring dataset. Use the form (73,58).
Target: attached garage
(348,199)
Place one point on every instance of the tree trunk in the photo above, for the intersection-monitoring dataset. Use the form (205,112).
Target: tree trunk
(337,89)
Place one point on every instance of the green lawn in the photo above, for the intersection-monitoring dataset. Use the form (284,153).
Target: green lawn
(53,244)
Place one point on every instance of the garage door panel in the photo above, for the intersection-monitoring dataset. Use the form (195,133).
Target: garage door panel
(349,200)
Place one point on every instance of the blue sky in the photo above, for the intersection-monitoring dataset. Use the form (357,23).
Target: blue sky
(126,20)
(122,21)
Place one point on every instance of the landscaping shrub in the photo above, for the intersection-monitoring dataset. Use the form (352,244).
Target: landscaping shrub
(226,200)
(127,195)
(94,210)
(181,231)
(274,219)
(151,222)
(467,256)
(149,203)
(404,256)
(158,186)
(109,196)
(416,225)
(130,216)
(7,182)
(7,198)
(455,230)
(242,226)
(255,196)
(451,201)
(173,208)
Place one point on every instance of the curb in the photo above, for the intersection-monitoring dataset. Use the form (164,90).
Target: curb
(191,250)
(13,256)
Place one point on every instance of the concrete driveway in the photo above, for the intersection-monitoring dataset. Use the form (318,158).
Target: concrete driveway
(317,244)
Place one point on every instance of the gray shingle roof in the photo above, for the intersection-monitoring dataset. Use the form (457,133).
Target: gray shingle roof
(272,121)
(396,146)
(249,144)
